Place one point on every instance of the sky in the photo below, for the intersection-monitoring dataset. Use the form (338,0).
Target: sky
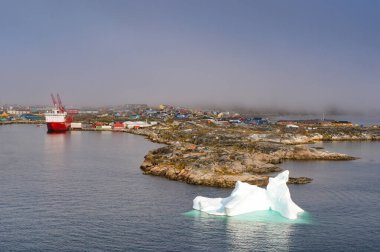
(294,54)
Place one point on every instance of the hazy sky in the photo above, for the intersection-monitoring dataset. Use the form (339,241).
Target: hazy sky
(294,54)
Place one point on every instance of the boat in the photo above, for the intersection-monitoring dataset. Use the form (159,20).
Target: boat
(58,120)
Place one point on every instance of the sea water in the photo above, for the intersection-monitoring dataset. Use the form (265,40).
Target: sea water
(84,191)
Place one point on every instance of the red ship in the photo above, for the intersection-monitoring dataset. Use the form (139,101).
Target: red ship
(58,120)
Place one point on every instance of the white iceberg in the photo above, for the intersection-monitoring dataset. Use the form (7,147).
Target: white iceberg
(246,198)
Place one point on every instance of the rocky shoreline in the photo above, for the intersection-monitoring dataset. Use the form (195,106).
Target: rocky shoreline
(200,153)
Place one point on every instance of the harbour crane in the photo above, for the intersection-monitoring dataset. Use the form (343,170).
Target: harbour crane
(58,103)
(54,101)
(61,108)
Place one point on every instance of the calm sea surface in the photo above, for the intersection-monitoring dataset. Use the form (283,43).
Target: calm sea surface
(84,191)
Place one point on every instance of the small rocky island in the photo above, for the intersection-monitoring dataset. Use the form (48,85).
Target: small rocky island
(202,153)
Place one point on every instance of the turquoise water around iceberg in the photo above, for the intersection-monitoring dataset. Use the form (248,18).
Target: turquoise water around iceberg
(258,216)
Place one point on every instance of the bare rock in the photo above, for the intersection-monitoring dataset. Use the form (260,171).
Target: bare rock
(299,180)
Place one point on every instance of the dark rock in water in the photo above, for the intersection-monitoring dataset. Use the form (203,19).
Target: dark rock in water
(317,147)
(299,180)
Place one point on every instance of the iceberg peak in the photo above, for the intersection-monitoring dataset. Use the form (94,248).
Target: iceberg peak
(246,198)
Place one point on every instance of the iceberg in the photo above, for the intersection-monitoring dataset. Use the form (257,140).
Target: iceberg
(246,198)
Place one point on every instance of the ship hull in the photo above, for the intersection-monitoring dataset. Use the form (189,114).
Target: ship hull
(55,127)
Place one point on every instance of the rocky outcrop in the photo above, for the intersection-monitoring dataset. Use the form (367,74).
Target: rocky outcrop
(305,153)
(200,154)
(223,164)
(299,180)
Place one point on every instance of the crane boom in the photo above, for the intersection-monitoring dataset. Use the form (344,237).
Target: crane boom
(54,101)
(61,108)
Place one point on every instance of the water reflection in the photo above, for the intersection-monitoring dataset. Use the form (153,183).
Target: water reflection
(244,235)
(54,149)
(261,230)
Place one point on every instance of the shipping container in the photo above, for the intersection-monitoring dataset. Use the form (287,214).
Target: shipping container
(76,125)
